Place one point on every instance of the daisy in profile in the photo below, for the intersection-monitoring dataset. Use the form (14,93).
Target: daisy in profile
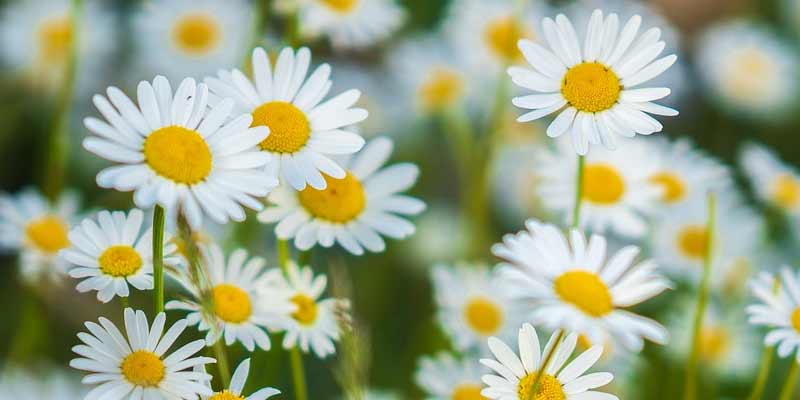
(180,38)
(749,69)
(139,365)
(303,130)
(51,384)
(617,192)
(779,310)
(594,85)
(175,151)
(472,305)
(353,211)
(237,386)
(241,312)
(774,182)
(572,284)
(350,23)
(113,252)
(443,377)
(37,231)
(513,375)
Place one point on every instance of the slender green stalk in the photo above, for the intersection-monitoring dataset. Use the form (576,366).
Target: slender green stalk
(283,254)
(458,129)
(291,34)
(690,389)
(222,362)
(158,258)
(763,373)
(545,363)
(298,375)
(576,209)
(304,258)
(788,385)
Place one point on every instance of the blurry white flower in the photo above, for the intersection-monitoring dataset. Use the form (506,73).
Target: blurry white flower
(433,240)
(773,181)
(19,384)
(377,97)
(515,177)
(350,23)
(443,377)
(234,392)
(778,308)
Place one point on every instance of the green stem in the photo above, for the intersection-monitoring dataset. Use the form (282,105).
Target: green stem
(298,375)
(576,209)
(158,258)
(304,258)
(788,385)
(763,373)
(222,362)
(283,254)
(292,34)
(690,390)
(545,362)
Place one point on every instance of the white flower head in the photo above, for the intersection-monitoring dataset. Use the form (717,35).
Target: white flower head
(238,380)
(774,182)
(350,24)
(51,384)
(778,308)
(444,377)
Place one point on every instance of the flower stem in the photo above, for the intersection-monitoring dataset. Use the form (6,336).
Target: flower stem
(788,385)
(158,258)
(298,375)
(545,362)
(763,373)
(283,254)
(222,362)
(690,389)
(576,208)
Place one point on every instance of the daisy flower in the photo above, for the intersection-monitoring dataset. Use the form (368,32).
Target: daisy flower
(178,152)
(243,310)
(749,69)
(37,230)
(779,310)
(433,240)
(472,305)
(353,211)
(595,87)
(237,386)
(350,23)
(617,189)
(49,384)
(570,284)
(443,377)
(302,131)
(140,366)
(514,374)
(180,38)
(774,182)
(515,177)
(113,253)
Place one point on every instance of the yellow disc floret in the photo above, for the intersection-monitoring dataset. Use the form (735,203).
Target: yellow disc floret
(341,201)
(231,303)
(120,261)
(341,6)
(786,191)
(47,234)
(586,291)
(467,391)
(55,39)
(693,241)
(441,89)
(715,342)
(795,318)
(143,368)
(591,87)
(307,309)
(549,388)
(197,33)
(673,189)
(289,128)
(225,395)
(602,184)
(502,35)
(178,154)
(483,316)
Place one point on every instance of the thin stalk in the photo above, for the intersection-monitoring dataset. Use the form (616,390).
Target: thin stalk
(292,33)
(545,362)
(304,258)
(298,375)
(158,258)
(283,254)
(576,209)
(788,385)
(763,373)
(222,362)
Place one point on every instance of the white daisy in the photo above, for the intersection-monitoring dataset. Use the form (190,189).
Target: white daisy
(433,240)
(353,211)
(572,285)
(514,375)
(50,384)
(139,366)
(113,254)
(773,181)
(472,305)
(245,303)
(443,377)
(515,177)
(234,392)
(779,310)
(350,23)
(749,69)
(594,86)
(178,152)
(37,230)
(302,131)
(617,189)
(180,38)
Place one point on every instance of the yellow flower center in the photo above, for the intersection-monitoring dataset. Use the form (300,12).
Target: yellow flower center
(586,291)
(693,241)
(341,6)
(289,128)
(143,368)
(225,395)
(307,309)
(483,316)
(341,201)
(602,184)
(231,303)
(502,35)
(549,388)
(55,39)
(744,79)
(714,342)
(591,87)
(178,154)
(796,319)
(48,234)
(786,191)
(673,189)
(196,33)
(467,391)
(120,261)
(442,88)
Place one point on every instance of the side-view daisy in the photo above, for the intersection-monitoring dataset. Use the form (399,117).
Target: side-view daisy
(176,151)
(350,23)
(353,211)
(114,252)
(774,182)
(514,375)
(50,384)
(569,284)
(241,310)
(594,88)
(138,365)
(234,392)
(778,309)
(443,377)
(303,130)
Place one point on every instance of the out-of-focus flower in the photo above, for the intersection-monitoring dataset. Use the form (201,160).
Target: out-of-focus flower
(779,309)
(514,375)
(749,69)
(37,230)
(302,131)
(246,301)
(515,177)
(180,38)
(178,152)
(572,285)
(234,392)
(593,88)
(378,97)
(140,364)
(21,384)
(353,211)
(774,182)
(443,377)
(433,240)
(350,23)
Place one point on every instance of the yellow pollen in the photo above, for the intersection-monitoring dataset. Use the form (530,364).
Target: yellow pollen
(549,388)
(746,72)
(196,33)
(120,261)
(289,128)
(602,184)
(693,241)
(143,368)
(786,191)
(55,39)
(467,391)
(502,35)
(714,342)
(307,309)
(483,316)
(591,87)
(796,319)
(48,234)
(225,395)
(442,88)
(673,189)
(178,154)
(586,291)
(231,303)
(341,6)
(341,201)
